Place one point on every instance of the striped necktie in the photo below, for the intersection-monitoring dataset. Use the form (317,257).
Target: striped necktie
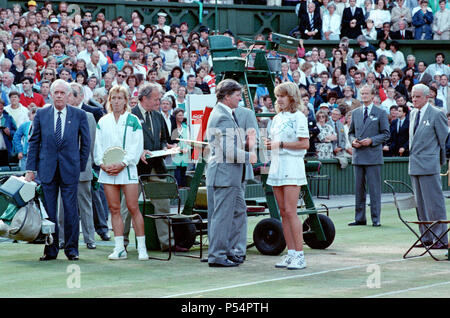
(58,131)
(416,123)
(366,114)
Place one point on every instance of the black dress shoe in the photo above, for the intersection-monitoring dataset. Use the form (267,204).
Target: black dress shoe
(236,259)
(357,223)
(91,246)
(73,257)
(225,263)
(376,224)
(46,258)
(424,244)
(105,237)
(439,246)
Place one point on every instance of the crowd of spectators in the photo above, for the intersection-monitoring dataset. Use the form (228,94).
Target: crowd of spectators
(376,20)
(42,44)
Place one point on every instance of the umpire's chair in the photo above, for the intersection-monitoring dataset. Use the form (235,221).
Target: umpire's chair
(406,203)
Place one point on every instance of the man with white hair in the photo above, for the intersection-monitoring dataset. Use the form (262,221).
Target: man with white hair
(428,132)
(58,151)
(8,86)
(84,196)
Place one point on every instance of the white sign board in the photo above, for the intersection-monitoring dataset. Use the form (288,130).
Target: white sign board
(195,107)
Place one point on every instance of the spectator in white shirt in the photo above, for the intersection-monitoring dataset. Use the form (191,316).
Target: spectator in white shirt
(331,24)
(93,67)
(170,55)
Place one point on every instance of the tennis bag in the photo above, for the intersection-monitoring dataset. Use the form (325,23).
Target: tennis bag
(26,224)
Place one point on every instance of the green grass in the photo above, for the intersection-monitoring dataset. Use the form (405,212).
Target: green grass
(339,271)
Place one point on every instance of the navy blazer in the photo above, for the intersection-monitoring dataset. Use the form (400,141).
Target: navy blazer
(96,111)
(71,157)
(347,17)
(399,139)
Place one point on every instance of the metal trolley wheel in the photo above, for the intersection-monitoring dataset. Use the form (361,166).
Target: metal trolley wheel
(268,237)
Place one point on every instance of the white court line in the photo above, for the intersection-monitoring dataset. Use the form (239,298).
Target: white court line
(281,278)
(408,289)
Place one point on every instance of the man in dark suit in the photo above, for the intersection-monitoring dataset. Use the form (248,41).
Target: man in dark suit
(385,33)
(342,82)
(58,150)
(310,24)
(398,143)
(396,75)
(421,75)
(402,33)
(369,129)
(352,21)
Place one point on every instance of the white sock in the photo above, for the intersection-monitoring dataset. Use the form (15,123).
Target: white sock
(291,252)
(119,242)
(141,243)
(298,254)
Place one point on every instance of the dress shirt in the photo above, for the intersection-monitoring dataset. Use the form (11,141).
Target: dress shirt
(63,119)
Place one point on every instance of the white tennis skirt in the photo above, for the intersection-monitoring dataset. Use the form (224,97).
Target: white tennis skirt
(287,169)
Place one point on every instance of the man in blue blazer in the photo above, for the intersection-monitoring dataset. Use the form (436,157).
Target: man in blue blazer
(58,151)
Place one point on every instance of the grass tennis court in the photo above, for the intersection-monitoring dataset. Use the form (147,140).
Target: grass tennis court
(363,261)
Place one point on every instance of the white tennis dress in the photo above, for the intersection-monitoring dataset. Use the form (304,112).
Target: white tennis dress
(287,166)
(125,133)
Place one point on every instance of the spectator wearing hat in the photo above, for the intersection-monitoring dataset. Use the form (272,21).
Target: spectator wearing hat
(32,6)
(422,18)
(162,23)
(441,23)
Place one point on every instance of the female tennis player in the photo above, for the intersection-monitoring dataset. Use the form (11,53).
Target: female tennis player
(289,141)
(118,148)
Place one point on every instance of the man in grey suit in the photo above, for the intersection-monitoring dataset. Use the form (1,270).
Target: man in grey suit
(339,144)
(369,129)
(248,124)
(84,196)
(428,131)
(225,175)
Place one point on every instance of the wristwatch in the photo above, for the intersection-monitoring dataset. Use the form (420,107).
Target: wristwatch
(281,145)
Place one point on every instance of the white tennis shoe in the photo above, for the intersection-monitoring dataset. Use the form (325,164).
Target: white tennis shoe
(118,254)
(285,261)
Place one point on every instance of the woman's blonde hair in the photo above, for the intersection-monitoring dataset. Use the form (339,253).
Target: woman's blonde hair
(115,90)
(295,101)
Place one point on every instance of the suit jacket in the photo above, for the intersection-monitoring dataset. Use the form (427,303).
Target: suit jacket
(86,174)
(247,120)
(340,133)
(9,123)
(305,25)
(376,127)
(228,157)
(347,16)
(71,157)
(339,91)
(425,79)
(408,35)
(381,35)
(402,90)
(153,140)
(399,139)
(427,145)
(96,111)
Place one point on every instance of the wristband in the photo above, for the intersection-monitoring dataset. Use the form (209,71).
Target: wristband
(281,145)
